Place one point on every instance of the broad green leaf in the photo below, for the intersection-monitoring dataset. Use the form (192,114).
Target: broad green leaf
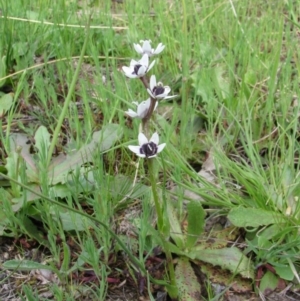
(33,232)
(6,102)
(101,141)
(222,81)
(196,222)
(19,141)
(121,187)
(268,282)
(285,272)
(253,217)
(189,288)
(231,259)
(42,139)
(70,220)
(175,226)
(25,265)
(215,274)
(160,240)
(26,197)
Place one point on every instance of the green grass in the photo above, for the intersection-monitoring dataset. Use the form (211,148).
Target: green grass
(234,66)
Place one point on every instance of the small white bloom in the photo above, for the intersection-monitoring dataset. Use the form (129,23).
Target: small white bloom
(158,90)
(142,109)
(147,149)
(138,68)
(146,48)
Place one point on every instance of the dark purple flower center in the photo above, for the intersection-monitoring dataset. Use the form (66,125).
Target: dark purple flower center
(149,149)
(157,90)
(136,69)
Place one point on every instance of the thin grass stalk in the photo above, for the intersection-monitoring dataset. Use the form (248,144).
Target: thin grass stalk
(69,96)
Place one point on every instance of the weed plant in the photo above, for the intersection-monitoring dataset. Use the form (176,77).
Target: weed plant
(108,225)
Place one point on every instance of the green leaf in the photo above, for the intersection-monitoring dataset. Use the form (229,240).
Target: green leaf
(70,220)
(196,222)
(42,139)
(285,272)
(101,141)
(19,141)
(26,197)
(175,226)
(6,102)
(33,232)
(231,259)
(222,81)
(187,283)
(25,265)
(253,217)
(121,186)
(268,282)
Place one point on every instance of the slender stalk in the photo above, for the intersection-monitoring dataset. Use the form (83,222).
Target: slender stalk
(69,96)
(149,113)
(145,120)
(172,290)
(144,80)
(155,195)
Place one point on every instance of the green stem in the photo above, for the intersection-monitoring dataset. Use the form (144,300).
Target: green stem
(69,96)
(172,289)
(155,195)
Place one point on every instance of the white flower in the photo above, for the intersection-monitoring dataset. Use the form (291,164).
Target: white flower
(147,149)
(158,90)
(138,68)
(146,48)
(142,109)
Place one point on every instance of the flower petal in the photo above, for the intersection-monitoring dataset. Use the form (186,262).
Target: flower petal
(167,90)
(160,47)
(148,102)
(134,148)
(151,65)
(161,147)
(147,47)
(150,93)
(142,109)
(142,139)
(130,75)
(144,60)
(170,97)
(133,63)
(138,48)
(141,155)
(152,82)
(131,113)
(155,138)
(129,72)
(142,70)
(127,69)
